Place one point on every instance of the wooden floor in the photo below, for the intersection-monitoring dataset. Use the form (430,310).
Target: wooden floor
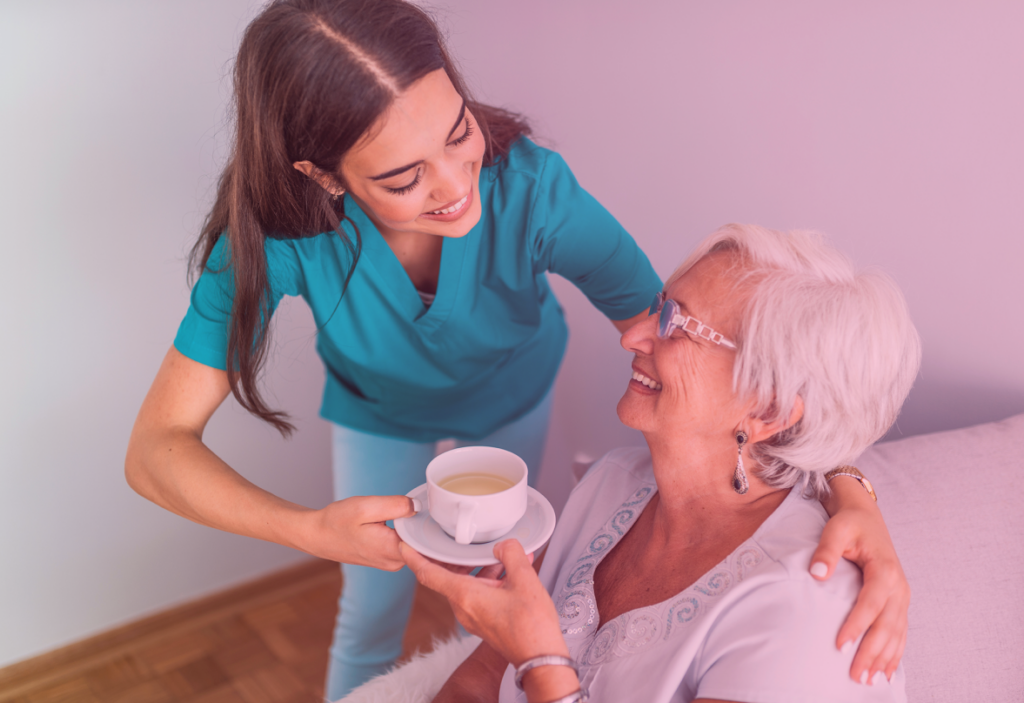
(263,642)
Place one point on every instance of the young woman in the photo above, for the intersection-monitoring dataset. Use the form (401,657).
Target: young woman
(418,225)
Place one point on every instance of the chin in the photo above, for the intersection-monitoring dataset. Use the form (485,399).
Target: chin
(627,415)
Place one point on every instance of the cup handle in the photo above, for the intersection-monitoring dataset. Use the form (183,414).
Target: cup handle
(465,526)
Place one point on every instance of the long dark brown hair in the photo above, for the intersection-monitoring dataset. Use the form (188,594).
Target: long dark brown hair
(311,77)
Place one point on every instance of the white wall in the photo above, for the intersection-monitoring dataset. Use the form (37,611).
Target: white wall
(893,127)
(111,129)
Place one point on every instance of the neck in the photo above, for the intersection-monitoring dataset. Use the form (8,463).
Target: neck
(696,501)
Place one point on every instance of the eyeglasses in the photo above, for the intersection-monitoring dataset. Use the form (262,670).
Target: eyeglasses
(671,320)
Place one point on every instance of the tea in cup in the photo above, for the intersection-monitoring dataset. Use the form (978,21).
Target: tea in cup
(476,494)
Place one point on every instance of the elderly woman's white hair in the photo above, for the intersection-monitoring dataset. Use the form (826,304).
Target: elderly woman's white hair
(814,327)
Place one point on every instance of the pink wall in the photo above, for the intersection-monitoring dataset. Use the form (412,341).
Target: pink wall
(895,128)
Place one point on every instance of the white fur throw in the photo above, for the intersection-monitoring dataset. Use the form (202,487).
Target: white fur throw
(419,679)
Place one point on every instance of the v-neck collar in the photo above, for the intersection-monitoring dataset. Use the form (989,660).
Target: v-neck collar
(382,260)
(580,618)
(577,603)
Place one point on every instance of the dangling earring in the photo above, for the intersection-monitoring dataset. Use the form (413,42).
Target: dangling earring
(739,477)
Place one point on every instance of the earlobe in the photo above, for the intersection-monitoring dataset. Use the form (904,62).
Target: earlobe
(796,415)
(761,430)
(322,178)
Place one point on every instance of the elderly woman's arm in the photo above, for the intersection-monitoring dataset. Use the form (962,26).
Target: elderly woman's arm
(477,680)
(857,532)
(497,612)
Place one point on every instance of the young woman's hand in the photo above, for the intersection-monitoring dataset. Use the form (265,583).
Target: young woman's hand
(352,531)
(514,615)
(858,533)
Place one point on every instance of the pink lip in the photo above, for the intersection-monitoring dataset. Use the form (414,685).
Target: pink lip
(451,216)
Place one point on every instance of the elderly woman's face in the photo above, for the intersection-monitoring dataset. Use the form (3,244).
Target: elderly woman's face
(682,385)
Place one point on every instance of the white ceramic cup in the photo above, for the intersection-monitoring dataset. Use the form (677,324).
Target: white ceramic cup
(476,518)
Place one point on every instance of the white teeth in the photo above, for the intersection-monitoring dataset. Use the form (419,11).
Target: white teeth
(649,382)
(453,208)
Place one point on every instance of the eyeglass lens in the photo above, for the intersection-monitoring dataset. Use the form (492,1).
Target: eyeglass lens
(668,309)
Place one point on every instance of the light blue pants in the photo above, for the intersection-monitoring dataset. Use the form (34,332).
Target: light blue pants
(374,606)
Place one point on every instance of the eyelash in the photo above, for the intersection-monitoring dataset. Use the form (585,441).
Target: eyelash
(467,135)
(405,189)
(416,181)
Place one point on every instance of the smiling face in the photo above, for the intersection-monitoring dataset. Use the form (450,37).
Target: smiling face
(418,169)
(682,385)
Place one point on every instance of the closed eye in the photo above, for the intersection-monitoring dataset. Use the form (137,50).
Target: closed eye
(406,188)
(465,135)
(416,181)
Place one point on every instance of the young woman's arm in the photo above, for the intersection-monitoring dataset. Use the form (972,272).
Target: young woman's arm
(857,532)
(168,463)
(623,325)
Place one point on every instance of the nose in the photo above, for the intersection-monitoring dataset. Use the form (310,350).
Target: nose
(639,338)
(451,181)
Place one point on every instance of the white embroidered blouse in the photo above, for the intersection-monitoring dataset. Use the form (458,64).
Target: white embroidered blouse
(756,628)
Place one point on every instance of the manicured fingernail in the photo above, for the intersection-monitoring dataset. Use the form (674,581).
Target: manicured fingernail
(416,505)
(864,677)
(847,647)
(879,677)
(819,569)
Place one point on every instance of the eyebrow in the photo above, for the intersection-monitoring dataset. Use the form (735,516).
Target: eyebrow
(403,169)
(682,308)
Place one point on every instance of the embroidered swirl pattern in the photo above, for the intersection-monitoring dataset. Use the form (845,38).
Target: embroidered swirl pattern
(642,628)
(578,611)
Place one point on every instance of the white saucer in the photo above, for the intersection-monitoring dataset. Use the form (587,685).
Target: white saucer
(425,536)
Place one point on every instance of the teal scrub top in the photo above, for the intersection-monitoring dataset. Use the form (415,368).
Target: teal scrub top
(488,348)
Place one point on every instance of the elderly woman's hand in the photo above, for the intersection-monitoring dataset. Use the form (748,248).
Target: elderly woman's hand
(513,614)
(858,533)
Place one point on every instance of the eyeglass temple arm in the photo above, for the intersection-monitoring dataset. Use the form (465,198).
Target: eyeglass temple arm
(703,331)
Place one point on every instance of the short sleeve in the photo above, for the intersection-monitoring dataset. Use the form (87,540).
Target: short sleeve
(777,645)
(203,333)
(577,238)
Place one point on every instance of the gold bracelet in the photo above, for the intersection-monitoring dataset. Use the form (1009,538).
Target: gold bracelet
(852,472)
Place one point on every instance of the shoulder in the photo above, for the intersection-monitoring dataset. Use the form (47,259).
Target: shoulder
(298,264)
(778,643)
(527,162)
(791,534)
(778,623)
(611,481)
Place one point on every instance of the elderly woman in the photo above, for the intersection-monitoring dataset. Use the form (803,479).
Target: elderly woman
(679,572)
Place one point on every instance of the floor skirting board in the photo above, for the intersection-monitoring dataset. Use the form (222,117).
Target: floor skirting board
(264,641)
